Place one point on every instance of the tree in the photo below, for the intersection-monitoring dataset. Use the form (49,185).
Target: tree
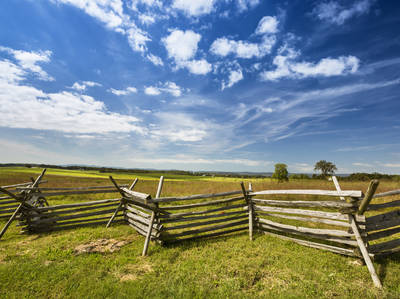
(326,168)
(281,173)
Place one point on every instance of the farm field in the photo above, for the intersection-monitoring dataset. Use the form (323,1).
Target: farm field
(7,171)
(47,265)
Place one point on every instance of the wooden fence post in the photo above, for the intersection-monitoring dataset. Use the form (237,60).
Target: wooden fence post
(122,201)
(10,220)
(22,201)
(360,242)
(250,208)
(152,218)
(373,185)
(365,253)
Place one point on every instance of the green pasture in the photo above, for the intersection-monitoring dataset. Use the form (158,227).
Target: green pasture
(47,266)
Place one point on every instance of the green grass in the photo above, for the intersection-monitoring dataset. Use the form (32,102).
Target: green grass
(117,175)
(228,267)
(45,265)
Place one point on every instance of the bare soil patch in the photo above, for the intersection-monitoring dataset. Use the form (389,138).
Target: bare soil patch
(101,246)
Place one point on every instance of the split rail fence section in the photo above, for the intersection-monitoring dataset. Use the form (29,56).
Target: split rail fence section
(330,227)
(382,227)
(328,220)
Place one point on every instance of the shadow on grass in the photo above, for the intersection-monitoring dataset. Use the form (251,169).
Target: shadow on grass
(383,263)
(189,244)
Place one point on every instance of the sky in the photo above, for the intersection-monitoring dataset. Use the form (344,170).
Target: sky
(224,85)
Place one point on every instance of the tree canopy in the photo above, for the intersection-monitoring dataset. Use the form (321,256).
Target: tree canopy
(326,168)
(281,172)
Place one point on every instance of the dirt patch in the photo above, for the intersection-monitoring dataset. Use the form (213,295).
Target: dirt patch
(101,245)
(47,263)
(357,262)
(28,240)
(135,271)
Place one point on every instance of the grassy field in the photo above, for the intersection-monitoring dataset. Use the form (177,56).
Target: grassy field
(46,265)
(117,175)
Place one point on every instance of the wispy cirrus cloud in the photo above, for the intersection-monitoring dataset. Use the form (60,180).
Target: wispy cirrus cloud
(112,15)
(291,113)
(364,148)
(335,13)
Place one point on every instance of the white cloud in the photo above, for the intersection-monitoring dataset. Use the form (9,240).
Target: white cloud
(149,3)
(244,5)
(111,13)
(137,39)
(267,25)
(335,13)
(392,165)
(177,126)
(29,61)
(147,19)
(194,8)
(172,88)
(91,83)
(286,67)
(82,86)
(182,47)
(362,164)
(301,167)
(168,87)
(155,59)
(328,66)
(152,91)
(78,86)
(197,67)
(62,111)
(234,77)
(242,49)
(123,92)
(185,159)
(10,73)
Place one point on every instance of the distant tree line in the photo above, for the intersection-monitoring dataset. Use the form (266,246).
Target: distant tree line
(362,176)
(281,173)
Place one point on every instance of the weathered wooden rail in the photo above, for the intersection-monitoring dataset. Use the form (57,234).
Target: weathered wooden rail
(322,219)
(382,227)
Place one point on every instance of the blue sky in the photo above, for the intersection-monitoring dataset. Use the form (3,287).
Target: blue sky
(231,85)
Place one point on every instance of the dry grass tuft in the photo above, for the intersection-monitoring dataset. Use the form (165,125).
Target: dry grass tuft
(135,271)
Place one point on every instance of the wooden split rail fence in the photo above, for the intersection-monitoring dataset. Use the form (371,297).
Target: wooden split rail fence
(323,219)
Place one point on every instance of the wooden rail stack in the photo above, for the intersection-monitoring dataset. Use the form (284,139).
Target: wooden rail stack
(322,219)
(211,215)
(381,227)
(8,202)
